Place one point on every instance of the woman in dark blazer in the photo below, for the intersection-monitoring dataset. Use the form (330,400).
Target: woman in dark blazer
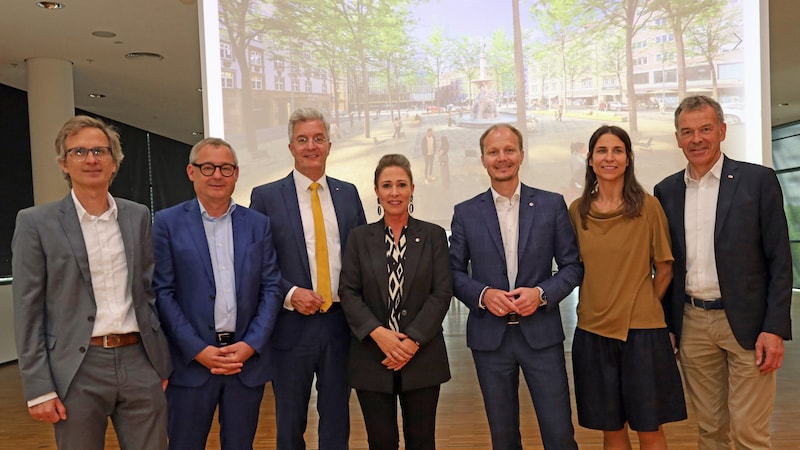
(395,288)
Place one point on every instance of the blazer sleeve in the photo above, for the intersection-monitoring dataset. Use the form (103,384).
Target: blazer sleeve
(355,266)
(29,286)
(777,251)
(465,288)
(179,328)
(270,296)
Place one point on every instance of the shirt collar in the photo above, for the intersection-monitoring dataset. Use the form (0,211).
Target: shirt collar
(111,212)
(206,216)
(496,195)
(302,182)
(716,171)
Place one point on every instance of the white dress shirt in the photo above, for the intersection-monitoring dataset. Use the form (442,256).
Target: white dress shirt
(508,216)
(699,221)
(302,184)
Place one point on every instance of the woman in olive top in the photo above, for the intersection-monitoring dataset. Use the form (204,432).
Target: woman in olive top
(623,363)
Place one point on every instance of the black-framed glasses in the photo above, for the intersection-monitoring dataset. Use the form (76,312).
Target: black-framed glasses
(318,139)
(80,153)
(208,169)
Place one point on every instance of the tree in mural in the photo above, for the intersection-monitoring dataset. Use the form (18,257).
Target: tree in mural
(435,50)
(631,15)
(242,22)
(707,36)
(679,16)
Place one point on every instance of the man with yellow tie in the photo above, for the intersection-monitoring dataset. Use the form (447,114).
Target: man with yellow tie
(311,215)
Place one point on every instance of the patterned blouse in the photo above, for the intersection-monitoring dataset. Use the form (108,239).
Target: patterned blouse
(395,258)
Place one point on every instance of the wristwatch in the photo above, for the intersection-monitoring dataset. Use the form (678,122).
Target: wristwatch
(542,295)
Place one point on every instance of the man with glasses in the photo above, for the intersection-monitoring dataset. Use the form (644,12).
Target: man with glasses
(89,342)
(311,215)
(217,284)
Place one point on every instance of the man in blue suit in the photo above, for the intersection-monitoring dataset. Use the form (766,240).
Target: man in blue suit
(730,298)
(502,247)
(311,215)
(218,291)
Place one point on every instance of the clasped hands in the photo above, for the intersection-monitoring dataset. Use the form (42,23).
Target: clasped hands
(227,360)
(523,301)
(397,347)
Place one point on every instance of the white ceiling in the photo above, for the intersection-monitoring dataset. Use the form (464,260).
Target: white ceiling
(163,97)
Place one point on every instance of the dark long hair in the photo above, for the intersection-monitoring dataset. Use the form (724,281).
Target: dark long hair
(632,191)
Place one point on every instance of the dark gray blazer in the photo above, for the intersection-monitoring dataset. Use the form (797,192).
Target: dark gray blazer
(751,243)
(427,290)
(54,306)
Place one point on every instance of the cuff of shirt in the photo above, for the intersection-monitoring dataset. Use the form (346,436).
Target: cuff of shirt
(41,399)
(481,305)
(287,301)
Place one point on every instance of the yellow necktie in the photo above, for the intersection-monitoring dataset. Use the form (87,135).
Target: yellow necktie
(321,250)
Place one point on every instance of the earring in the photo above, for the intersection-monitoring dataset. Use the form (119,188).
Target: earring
(411,205)
(380,209)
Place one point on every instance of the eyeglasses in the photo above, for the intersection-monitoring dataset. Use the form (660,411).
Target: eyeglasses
(208,169)
(80,153)
(318,139)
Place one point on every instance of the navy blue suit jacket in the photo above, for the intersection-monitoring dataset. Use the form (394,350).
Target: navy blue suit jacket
(751,245)
(478,260)
(185,289)
(278,200)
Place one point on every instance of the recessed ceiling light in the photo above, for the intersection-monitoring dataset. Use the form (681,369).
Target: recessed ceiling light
(783,104)
(143,56)
(103,34)
(93,95)
(50,5)
(197,133)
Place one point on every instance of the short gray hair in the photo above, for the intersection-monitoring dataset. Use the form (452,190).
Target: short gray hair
(306,114)
(696,102)
(216,142)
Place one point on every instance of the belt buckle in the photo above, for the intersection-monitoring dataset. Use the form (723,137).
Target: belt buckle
(224,338)
(111,341)
(512,319)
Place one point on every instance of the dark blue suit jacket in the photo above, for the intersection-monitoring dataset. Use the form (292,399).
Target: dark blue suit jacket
(751,243)
(478,260)
(185,289)
(278,200)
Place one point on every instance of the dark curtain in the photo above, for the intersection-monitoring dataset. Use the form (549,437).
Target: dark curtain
(168,160)
(143,151)
(16,184)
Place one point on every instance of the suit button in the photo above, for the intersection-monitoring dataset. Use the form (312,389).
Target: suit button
(82,349)
(211,297)
(403,312)
(91,318)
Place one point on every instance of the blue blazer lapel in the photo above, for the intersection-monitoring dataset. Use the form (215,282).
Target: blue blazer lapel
(488,213)
(340,204)
(240,241)
(194,226)
(727,188)
(289,194)
(68,216)
(526,218)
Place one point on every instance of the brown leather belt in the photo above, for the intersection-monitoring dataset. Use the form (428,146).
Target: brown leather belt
(115,340)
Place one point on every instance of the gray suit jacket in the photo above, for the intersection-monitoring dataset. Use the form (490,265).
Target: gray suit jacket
(54,306)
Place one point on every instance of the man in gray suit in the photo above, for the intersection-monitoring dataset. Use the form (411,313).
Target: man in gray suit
(89,341)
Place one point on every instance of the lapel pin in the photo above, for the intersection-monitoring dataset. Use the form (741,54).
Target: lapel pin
(336,188)
(530,204)
(730,177)
(416,239)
